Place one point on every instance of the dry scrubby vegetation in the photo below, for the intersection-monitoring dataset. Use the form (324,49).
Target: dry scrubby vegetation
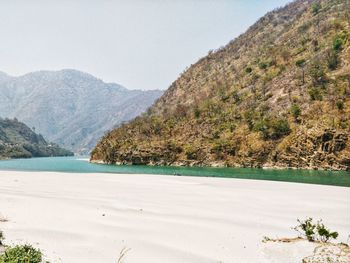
(19,141)
(278,95)
(19,254)
(315,231)
(307,229)
(324,251)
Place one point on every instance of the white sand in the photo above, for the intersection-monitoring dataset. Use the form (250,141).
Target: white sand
(163,219)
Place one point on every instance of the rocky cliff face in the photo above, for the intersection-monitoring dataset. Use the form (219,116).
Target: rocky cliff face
(71,108)
(278,95)
(315,149)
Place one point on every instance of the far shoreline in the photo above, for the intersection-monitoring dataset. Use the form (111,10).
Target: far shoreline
(82,165)
(219,165)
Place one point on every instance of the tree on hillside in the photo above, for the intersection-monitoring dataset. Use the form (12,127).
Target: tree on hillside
(301,64)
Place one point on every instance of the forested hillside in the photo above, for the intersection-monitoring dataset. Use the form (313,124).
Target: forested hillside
(19,141)
(278,95)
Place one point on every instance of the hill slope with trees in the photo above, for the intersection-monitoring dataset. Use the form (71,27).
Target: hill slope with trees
(276,96)
(17,140)
(71,108)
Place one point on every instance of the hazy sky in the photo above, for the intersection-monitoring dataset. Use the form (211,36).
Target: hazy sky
(141,44)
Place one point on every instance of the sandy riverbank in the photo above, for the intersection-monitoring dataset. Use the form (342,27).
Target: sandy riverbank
(91,217)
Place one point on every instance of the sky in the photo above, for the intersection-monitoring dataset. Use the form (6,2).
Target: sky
(140,44)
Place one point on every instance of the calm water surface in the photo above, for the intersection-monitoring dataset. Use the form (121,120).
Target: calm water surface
(81,165)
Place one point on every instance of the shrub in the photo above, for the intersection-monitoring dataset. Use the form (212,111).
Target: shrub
(236,97)
(340,105)
(223,95)
(337,24)
(315,94)
(325,234)
(216,147)
(304,27)
(332,60)
(21,254)
(263,65)
(157,126)
(264,108)
(280,127)
(196,112)
(314,232)
(248,70)
(316,7)
(295,110)
(272,128)
(300,63)
(190,152)
(337,44)
(306,228)
(271,74)
(2,237)
(315,44)
(249,118)
(225,146)
(304,40)
(263,127)
(317,73)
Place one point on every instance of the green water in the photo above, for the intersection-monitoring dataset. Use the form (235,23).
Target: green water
(79,165)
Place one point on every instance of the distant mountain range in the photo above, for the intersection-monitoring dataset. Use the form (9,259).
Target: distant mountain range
(17,140)
(69,107)
(276,96)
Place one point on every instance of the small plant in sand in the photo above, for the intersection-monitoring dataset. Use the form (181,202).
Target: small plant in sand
(21,254)
(122,254)
(314,231)
(325,234)
(2,237)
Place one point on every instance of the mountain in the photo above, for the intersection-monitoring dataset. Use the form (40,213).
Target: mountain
(4,77)
(17,140)
(69,107)
(276,96)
